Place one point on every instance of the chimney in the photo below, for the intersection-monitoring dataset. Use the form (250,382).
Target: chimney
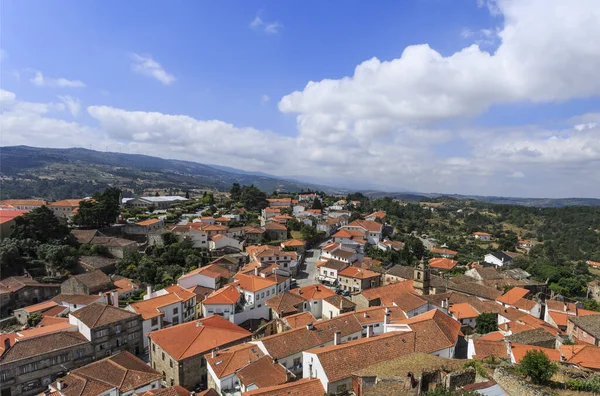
(386,319)
(214,353)
(310,326)
(59,384)
(369,331)
(148,290)
(115,299)
(566,307)
(256,271)
(330,314)
(317,287)
(198,323)
(6,344)
(445,303)
(387,310)
(337,338)
(281,314)
(365,315)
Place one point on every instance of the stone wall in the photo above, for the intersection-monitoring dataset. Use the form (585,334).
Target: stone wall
(458,379)
(515,386)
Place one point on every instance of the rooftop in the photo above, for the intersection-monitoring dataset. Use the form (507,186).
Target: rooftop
(532,337)
(386,294)
(286,303)
(463,311)
(442,263)
(197,337)
(302,387)
(228,294)
(299,319)
(99,314)
(313,292)
(590,324)
(253,283)
(409,301)
(262,373)
(41,345)
(417,363)
(228,361)
(358,273)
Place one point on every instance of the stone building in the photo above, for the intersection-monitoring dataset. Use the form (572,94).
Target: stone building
(182,362)
(28,366)
(89,283)
(109,329)
(21,291)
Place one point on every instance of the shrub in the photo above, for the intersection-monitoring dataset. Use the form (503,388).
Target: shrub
(537,366)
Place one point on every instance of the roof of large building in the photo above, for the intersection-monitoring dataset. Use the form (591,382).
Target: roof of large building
(228,361)
(463,311)
(590,324)
(475,289)
(96,281)
(8,215)
(66,202)
(442,263)
(370,226)
(100,314)
(37,346)
(512,296)
(537,336)
(76,299)
(275,227)
(485,348)
(122,371)
(176,390)
(302,387)
(301,339)
(582,355)
(286,303)
(253,283)
(22,202)
(228,295)
(313,292)
(434,330)
(299,320)
(358,273)
(16,283)
(262,373)
(340,361)
(409,301)
(211,270)
(386,294)
(197,337)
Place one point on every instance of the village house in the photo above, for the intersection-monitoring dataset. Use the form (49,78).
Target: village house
(110,329)
(465,314)
(286,261)
(28,366)
(288,347)
(328,270)
(356,280)
(498,259)
(388,245)
(192,232)
(163,308)
(442,252)
(280,202)
(376,215)
(77,301)
(333,365)
(336,305)
(45,308)
(314,296)
(382,295)
(22,204)
(8,219)
(441,263)
(482,236)
(182,362)
(372,231)
(295,245)
(117,247)
(128,375)
(412,304)
(213,276)
(92,263)
(93,282)
(160,202)
(515,298)
(276,231)
(304,387)
(65,209)
(144,227)
(584,329)
(226,244)
(20,291)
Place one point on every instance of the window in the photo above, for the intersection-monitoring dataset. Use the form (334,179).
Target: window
(28,368)
(4,375)
(175,320)
(175,311)
(268,293)
(262,295)
(171,363)
(153,347)
(154,321)
(118,329)
(163,356)
(259,305)
(102,333)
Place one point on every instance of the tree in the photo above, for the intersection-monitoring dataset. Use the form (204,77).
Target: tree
(317,204)
(40,225)
(253,199)
(100,211)
(34,319)
(486,323)
(309,233)
(537,366)
(235,192)
(60,258)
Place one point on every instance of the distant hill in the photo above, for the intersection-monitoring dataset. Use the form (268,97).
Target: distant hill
(66,173)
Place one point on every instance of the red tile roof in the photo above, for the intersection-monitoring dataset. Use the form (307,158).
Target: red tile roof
(228,361)
(386,294)
(100,314)
(262,373)
(409,301)
(513,295)
(197,337)
(228,294)
(358,273)
(299,320)
(148,222)
(443,251)
(442,263)
(253,283)
(302,387)
(370,226)
(463,311)
(313,292)
(520,350)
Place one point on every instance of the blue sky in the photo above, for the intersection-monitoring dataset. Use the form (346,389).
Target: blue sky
(494,97)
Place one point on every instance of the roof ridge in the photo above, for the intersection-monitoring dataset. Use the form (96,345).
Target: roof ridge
(192,342)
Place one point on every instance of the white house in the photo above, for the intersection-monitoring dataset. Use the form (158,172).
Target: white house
(372,230)
(482,236)
(220,241)
(287,347)
(212,276)
(328,270)
(314,296)
(161,202)
(515,298)
(465,314)
(164,308)
(498,259)
(192,232)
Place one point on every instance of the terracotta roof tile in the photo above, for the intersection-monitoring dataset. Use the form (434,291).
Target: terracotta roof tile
(36,346)
(434,329)
(370,226)
(96,281)
(520,350)
(176,390)
(340,361)
(228,294)
(253,283)
(79,299)
(228,361)
(386,294)
(302,387)
(463,311)
(100,314)
(587,356)
(286,303)
(299,320)
(409,301)
(198,337)
(443,251)
(442,263)
(513,295)
(487,348)
(43,306)
(358,273)
(313,292)
(262,373)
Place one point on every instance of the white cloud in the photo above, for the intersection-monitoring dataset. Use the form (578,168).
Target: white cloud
(6,96)
(265,99)
(73,104)
(147,66)
(466,33)
(41,81)
(269,27)
(517,175)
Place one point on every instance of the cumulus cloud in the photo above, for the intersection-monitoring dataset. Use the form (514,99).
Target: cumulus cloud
(146,66)
(73,104)
(42,81)
(269,27)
